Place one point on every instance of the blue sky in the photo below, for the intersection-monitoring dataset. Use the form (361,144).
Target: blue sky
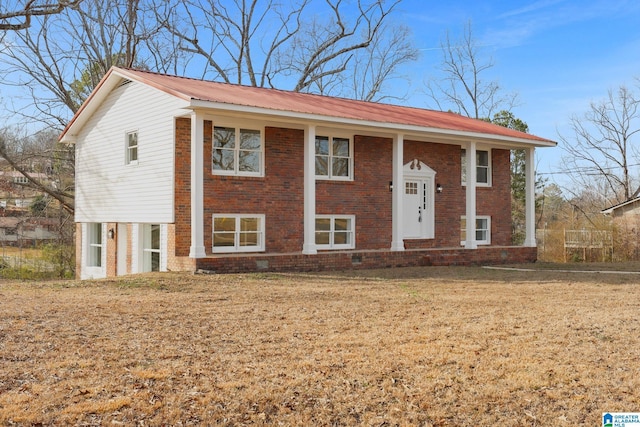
(558,55)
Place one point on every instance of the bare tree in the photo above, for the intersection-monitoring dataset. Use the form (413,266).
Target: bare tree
(462,87)
(603,147)
(60,72)
(59,59)
(271,44)
(20,18)
(33,155)
(373,68)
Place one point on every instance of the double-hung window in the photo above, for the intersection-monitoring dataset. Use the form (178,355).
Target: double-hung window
(151,247)
(483,230)
(483,167)
(237,151)
(334,158)
(335,232)
(131,154)
(94,244)
(238,233)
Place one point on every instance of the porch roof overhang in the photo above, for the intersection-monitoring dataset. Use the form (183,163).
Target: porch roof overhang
(300,109)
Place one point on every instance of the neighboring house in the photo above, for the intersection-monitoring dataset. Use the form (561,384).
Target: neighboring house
(626,220)
(15,191)
(181,174)
(23,232)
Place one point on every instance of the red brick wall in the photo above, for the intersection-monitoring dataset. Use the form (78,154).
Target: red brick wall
(367,196)
(111,246)
(494,201)
(183,187)
(280,193)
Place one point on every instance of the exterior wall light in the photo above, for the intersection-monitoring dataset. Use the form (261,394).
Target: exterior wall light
(390,185)
(111,233)
(438,188)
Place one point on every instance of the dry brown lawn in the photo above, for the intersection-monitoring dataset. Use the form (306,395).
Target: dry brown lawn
(420,346)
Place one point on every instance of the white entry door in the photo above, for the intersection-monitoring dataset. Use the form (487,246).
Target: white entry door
(418,201)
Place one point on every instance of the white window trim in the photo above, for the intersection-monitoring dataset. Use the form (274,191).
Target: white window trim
(352,231)
(237,126)
(237,248)
(148,251)
(479,242)
(91,244)
(127,149)
(489,168)
(329,176)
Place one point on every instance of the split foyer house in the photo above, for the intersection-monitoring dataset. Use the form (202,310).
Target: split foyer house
(175,173)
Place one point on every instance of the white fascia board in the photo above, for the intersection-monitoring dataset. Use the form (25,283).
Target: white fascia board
(610,210)
(390,128)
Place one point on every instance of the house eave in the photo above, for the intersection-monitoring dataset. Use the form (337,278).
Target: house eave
(386,128)
(613,208)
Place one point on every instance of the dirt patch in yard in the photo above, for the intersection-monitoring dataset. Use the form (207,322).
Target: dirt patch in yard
(424,346)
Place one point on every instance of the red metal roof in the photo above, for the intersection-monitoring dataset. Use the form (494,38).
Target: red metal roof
(304,103)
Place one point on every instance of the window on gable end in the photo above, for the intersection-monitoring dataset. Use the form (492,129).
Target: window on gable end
(131,154)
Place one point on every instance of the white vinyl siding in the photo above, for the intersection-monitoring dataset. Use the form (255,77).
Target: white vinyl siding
(109,190)
(131,155)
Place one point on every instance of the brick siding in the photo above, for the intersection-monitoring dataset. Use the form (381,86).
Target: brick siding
(279,195)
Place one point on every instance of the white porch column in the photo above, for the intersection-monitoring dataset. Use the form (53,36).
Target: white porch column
(309,245)
(397,242)
(196,250)
(470,241)
(530,198)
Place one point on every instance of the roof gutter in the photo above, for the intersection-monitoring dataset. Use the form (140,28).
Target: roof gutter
(392,128)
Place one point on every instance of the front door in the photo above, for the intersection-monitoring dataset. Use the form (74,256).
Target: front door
(418,207)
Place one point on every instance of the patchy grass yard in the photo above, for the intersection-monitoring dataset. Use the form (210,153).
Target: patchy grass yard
(422,346)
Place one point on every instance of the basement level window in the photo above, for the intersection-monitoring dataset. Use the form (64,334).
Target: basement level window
(238,233)
(335,231)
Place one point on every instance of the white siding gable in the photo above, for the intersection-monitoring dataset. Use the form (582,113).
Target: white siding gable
(108,189)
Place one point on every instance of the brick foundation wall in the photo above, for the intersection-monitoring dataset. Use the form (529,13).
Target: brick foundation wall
(328,261)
